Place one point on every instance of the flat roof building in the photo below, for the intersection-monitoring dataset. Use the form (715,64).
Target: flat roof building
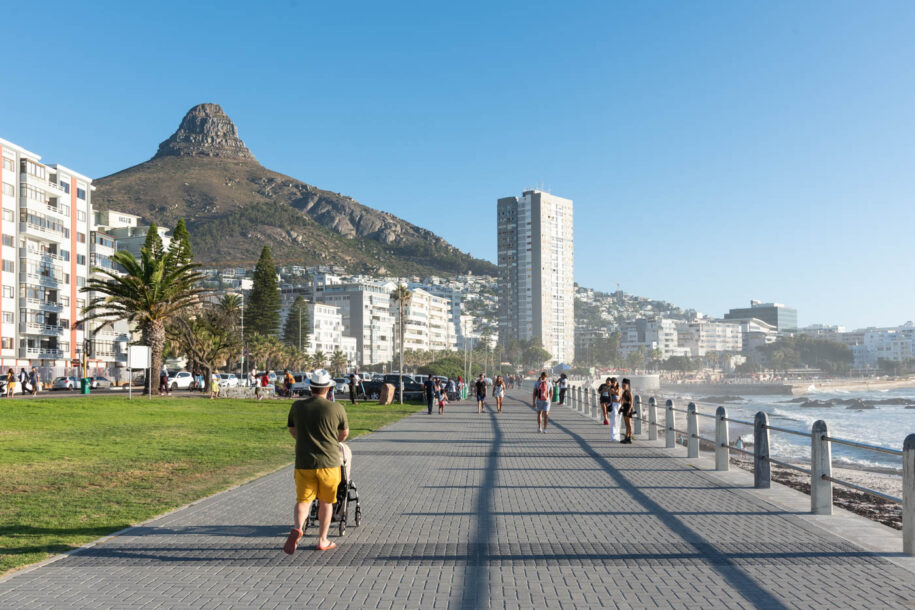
(783,318)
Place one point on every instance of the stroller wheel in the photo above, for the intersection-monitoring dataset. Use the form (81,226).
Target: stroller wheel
(358,516)
(342,526)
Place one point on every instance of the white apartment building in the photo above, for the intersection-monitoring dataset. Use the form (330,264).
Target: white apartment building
(107,342)
(325,333)
(45,225)
(536,271)
(896,344)
(704,336)
(365,308)
(660,334)
(428,324)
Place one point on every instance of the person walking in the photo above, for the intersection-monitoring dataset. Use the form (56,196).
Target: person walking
(10,383)
(543,392)
(498,392)
(614,410)
(163,381)
(429,389)
(563,388)
(451,389)
(34,380)
(288,380)
(352,389)
(626,410)
(604,391)
(214,385)
(264,384)
(23,380)
(481,388)
(318,427)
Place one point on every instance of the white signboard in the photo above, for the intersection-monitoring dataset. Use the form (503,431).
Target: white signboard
(138,357)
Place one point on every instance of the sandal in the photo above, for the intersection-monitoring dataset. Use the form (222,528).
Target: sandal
(330,546)
(292,541)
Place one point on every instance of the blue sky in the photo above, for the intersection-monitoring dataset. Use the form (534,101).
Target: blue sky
(716,151)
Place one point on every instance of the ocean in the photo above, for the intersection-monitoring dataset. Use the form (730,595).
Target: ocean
(884,425)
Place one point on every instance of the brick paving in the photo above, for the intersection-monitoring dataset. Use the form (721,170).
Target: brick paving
(467,511)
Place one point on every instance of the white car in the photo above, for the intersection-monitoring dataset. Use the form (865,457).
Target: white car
(228,380)
(181,380)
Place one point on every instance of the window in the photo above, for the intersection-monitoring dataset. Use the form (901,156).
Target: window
(8,189)
(81,238)
(8,266)
(65,254)
(80,216)
(65,185)
(9,216)
(7,343)
(39,171)
(80,281)
(9,165)
(80,259)
(80,193)
(8,317)
(8,240)
(8,292)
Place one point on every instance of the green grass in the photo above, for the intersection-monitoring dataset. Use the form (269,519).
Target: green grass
(75,469)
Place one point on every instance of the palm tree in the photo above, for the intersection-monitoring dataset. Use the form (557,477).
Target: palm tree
(150,292)
(319,359)
(401,296)
(338,361)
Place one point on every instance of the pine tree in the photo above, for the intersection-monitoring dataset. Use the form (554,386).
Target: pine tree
(291,334)
(262,311)
(153,243)
(181,243)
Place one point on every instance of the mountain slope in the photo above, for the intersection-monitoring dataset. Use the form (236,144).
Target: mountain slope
(233,206)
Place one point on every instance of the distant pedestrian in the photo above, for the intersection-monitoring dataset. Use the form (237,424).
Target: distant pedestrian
(34,380)
(563,388)
(10,383)
(604,391)
(614,410)
(288,380)
(442,401)
(352,389)
(626,410)
(451,389)
(23,379)
(498,392)
(481,388)
(214,386)
(429,390)
(543,391)
(318,427)
(263,385)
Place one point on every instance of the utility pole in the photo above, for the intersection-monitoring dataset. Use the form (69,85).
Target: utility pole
(244,344)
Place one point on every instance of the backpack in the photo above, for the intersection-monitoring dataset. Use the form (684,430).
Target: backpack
(543,391)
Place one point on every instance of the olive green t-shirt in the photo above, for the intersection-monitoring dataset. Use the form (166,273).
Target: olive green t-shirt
(316,421)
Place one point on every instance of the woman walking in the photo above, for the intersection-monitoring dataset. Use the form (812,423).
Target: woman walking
(626,410)
(604,391)
(498,392)
(10,383)
(614,410)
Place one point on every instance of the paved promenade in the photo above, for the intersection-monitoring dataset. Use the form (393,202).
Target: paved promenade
(466,511)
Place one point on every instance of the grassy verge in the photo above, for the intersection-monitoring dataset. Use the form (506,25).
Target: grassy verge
(72,470)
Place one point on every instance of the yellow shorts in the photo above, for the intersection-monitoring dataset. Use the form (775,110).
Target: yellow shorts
(320,482)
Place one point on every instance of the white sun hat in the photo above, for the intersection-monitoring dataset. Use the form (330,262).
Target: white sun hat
(320,378)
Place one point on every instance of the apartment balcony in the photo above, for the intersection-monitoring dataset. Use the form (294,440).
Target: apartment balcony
(42,353)
(48,281)
(33,230)
(37,255)
(48,330)
(25,303)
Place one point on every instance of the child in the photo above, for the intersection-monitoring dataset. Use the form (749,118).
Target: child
(442,401)
(214,386)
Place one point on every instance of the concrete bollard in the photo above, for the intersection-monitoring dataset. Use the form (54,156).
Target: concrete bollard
(594,406)
(578,405)
(722,443)
(692,431)
(652,419)
(820,466)
(762,474)
(637,415)
(671,424)
(908,495)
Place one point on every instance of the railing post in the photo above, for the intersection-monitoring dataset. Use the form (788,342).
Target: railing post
(722,444)
(820,467)
(762,476)
(578,404)
(908,495)
(593,411)
(652,419)
(637,415)
(671,424)
(692,431)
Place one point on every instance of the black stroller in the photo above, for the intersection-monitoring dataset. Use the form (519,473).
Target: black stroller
(346,495)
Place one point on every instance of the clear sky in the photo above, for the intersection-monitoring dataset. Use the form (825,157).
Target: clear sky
(716,151)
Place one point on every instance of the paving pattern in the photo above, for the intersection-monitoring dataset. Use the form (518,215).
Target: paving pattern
(482,511)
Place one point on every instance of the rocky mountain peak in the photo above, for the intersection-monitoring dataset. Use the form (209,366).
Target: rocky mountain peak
(205,131)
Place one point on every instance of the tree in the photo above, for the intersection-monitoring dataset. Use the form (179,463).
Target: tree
(262,314)
(295,330)
(319,360)
(181,243)
(153,243)
(151,292)
(534,354)
(210,335)
(636,358)
(401,296)
(337,362)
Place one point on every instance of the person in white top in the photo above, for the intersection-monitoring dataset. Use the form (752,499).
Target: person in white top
(563,388)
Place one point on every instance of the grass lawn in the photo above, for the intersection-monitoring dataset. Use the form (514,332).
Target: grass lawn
(75,469)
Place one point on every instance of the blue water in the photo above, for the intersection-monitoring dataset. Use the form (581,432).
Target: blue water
(885,425)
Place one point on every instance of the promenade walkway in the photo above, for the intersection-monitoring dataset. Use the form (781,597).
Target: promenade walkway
(467,511)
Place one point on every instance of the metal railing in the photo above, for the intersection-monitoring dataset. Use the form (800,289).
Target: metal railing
(585,401)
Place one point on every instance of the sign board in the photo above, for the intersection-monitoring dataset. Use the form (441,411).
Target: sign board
(138,356)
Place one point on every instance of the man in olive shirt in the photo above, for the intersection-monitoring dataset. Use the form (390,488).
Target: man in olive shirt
(318,427)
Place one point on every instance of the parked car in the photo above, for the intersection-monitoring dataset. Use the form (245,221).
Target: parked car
(228,380)
(99,382)
(300,386)
(17,390)
(65,383)
(342,385)
(182,380)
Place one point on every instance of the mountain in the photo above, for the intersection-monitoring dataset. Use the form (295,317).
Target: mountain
(233,205)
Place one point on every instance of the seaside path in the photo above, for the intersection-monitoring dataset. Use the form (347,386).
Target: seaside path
(476,511)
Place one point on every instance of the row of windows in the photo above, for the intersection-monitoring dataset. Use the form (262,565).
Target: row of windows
(45,222)
(33,169)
